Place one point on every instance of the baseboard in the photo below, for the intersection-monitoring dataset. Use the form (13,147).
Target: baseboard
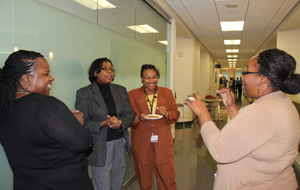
(129,181)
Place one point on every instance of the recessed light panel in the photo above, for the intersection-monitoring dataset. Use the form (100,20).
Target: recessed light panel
(232,42)
(232,50)
(232,26)
(232,56)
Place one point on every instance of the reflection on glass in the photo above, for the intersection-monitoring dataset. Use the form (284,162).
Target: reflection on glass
(145,28)
(51,55)
(93,4)
(107,36)
(163,42)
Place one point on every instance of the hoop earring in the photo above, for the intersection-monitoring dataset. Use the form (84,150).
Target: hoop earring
(259,92)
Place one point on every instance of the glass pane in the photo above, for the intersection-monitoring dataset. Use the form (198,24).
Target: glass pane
(118,18)
(76,35)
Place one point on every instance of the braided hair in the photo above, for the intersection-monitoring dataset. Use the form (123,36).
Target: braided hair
(17,64)
(279,67)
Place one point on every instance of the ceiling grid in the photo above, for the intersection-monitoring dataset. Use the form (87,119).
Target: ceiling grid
(261,18)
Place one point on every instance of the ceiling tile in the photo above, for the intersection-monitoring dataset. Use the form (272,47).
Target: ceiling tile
(261,19)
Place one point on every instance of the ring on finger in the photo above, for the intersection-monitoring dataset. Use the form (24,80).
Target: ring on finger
(191,99)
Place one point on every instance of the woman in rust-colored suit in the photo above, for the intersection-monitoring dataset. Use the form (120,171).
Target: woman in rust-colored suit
(151,138)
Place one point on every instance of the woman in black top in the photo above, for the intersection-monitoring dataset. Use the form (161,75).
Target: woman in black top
(44,143)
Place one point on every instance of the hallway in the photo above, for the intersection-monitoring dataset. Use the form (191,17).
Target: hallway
(194,165)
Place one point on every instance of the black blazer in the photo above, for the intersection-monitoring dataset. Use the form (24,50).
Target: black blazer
(90,101)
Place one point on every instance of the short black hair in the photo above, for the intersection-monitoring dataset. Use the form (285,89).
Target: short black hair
(96,66)
(279,67)
(149,66)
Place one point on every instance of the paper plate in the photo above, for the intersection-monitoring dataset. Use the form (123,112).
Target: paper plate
(154,116)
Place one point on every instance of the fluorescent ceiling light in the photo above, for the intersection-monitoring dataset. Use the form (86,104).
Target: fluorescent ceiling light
(143,28)
(231,59)
(232,42)
(92,4)
(163,42)
(232,26)
(232,50)
(229,56)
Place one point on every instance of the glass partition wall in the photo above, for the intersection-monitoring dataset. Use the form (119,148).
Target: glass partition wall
(73,33)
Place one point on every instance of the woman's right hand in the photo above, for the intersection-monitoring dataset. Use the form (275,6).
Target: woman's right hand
(199,108)
(196,105)
(140,117)
(79,116)
(143,117)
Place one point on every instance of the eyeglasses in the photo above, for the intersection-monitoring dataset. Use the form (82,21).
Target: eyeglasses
(248,72)
(108,69)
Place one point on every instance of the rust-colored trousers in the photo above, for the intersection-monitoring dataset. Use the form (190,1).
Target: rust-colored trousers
(164,173)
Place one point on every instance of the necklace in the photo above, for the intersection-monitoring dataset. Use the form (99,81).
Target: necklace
(22,92)
(151,102)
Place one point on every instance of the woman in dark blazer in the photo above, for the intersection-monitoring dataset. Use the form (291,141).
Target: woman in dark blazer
(107,114)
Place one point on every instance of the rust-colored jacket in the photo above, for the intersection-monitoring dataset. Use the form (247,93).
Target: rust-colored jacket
(141,131)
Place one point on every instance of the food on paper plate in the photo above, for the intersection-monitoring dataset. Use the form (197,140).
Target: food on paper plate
(153,116)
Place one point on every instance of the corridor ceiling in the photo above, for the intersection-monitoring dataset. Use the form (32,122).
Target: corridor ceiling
(261,18)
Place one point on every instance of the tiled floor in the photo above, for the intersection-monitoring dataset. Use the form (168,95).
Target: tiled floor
(194,165)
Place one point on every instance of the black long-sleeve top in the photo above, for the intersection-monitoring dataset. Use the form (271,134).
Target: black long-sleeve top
(46,145)
(112,134)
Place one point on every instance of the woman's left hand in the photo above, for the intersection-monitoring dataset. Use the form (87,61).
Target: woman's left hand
(114,122)
(163,111)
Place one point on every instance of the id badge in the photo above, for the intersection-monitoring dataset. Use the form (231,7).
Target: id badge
(154,138)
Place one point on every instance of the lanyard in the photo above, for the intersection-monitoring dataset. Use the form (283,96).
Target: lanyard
(151,103)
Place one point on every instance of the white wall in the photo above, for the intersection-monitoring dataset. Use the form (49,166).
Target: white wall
(213,73)
(196,69)
(183,73)
(204,75)
(289,41)
(208,73)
